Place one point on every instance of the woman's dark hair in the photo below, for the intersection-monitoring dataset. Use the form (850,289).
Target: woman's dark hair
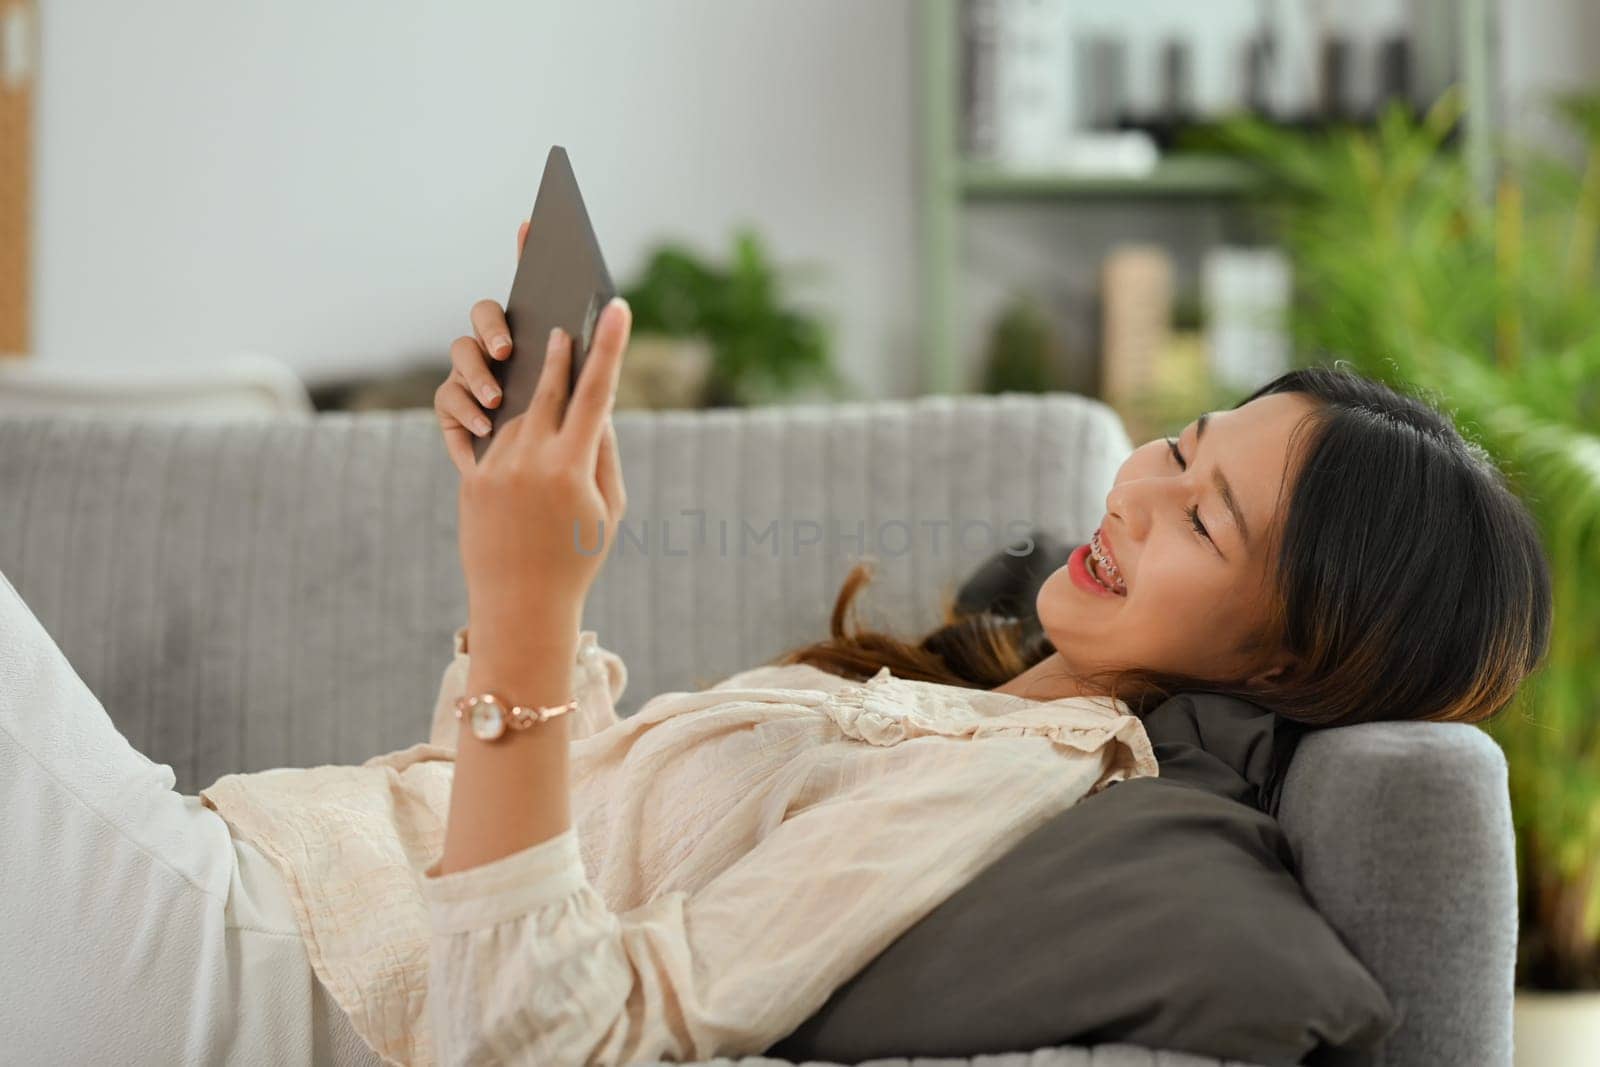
(1411,581)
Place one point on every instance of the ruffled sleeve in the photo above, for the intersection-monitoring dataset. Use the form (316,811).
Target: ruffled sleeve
(599,677)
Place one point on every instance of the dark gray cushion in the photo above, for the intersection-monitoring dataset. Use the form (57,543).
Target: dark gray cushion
(1162,912)
(1008,582)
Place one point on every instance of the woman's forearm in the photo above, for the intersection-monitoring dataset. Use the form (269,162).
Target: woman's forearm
(514,792)
(552,472)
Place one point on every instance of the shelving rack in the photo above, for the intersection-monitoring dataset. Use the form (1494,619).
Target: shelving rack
(951,182)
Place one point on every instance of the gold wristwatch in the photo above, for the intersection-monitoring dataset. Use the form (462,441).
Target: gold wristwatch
(490,717)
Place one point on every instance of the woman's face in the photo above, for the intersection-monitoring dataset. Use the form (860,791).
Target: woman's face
(1194,601)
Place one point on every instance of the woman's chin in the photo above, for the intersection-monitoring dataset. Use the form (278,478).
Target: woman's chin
(1062,603)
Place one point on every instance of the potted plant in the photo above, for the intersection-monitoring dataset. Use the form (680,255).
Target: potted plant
(1024,355)
(757,347)
(1490,304)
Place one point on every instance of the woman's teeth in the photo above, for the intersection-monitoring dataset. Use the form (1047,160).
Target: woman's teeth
(1096,560)
(1094,572)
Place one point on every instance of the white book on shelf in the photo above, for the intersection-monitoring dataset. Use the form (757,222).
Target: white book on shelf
(1032,86)
(1018,103)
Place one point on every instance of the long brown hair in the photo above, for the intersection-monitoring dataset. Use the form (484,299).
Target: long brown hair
(1411,582)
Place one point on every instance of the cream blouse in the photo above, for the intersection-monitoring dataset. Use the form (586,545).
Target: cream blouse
(737,854)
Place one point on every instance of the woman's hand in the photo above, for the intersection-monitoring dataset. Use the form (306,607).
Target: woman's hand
(539,511)
(470,387)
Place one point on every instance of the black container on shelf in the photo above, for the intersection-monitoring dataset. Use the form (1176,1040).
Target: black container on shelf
(1177,83)
(1394,72)
(1258,64)
(1333,79)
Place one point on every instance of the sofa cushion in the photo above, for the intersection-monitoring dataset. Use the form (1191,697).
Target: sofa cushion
(1161,912)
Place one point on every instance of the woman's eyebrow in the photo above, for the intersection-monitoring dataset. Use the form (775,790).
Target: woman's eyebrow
(1222,483)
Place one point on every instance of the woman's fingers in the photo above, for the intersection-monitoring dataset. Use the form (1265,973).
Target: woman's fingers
(608,473)
(468,366)
(460,419)
(597,385)
(452,399)
(522,239)
(458,444)
(550,395)
(489,323)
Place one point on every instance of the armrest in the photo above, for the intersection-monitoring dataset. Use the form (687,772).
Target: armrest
(1402,832)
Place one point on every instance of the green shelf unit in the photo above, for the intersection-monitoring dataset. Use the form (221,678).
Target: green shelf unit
(1174,175)
(949,183)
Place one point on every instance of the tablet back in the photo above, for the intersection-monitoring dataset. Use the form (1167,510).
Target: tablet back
(561,280)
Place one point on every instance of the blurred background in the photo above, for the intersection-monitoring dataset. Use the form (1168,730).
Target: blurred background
(840,198)
(217,208)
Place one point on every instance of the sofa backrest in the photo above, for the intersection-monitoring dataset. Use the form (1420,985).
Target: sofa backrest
(246,594)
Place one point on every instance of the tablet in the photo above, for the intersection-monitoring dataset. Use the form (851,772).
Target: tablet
(561,280)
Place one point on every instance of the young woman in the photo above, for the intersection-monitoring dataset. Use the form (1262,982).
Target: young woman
(695,880)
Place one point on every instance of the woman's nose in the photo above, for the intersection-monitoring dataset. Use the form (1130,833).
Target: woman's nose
(1133,503)
(1120,510)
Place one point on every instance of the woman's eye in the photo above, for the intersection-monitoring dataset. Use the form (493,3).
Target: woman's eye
(1192,512)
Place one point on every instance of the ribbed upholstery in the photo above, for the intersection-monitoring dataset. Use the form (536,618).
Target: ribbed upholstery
(239,595)
(252,594)
(281,592)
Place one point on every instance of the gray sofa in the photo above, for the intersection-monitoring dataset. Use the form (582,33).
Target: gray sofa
(251,594)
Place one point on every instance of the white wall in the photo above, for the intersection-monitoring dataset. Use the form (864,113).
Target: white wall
(334,184)
(1546,47)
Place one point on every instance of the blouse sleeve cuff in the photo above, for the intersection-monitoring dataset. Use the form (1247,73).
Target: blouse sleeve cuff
(507,888)
(589,666)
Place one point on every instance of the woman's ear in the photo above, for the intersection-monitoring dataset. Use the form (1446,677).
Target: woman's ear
(1275,674)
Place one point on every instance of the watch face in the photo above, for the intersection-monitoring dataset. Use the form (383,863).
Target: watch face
(488,720)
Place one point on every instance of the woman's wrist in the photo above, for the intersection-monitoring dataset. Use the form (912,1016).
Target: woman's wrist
(525,620)
(529,652)
(512,792)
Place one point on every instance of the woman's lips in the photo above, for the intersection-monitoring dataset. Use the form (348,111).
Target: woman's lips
(1078,569)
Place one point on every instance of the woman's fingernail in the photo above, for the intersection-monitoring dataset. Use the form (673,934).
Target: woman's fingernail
(500,345)
(489,393)
(480,426)
(555,338)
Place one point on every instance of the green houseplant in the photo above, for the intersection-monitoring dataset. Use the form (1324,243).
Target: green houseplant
(761,346)
(1489,303)
(1023,354)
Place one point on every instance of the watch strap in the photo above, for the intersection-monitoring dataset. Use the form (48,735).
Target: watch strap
(490,717)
